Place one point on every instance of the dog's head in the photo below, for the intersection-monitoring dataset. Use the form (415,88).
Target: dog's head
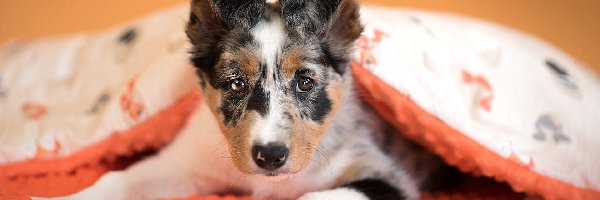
(273,73)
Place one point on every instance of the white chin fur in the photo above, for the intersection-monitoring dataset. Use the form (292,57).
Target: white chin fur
(340,193)
(278,178)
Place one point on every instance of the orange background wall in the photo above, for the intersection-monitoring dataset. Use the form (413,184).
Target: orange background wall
(573,25)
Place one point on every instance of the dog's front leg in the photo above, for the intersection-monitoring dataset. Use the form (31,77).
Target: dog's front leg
(181,169)
(367,189)
(152,179)
(373,175)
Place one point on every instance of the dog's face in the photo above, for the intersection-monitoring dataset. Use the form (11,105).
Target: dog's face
(272,74)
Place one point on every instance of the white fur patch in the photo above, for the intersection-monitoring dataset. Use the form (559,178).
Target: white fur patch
(270,36)
(340,193)
(264,130)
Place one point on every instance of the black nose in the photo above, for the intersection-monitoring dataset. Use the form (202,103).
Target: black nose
(271,156)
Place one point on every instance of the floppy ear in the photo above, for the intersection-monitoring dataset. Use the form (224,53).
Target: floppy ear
(210,20)
(335,22)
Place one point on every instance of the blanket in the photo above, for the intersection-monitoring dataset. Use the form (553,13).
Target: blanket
(491,101)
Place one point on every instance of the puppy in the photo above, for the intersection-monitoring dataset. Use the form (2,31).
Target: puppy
(280,118)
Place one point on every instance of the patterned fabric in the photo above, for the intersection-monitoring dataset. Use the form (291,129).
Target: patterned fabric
(515,95)
(60,95)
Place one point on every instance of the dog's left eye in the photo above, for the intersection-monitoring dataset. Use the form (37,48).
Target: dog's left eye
(304,84)
(237,85)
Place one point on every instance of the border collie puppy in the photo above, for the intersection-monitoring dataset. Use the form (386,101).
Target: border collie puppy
(280,118)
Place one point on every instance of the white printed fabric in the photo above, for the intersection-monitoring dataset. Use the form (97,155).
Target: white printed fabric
(59,95)
(514,94)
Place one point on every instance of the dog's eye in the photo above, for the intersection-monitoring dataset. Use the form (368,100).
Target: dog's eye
(304,84)
(237,85)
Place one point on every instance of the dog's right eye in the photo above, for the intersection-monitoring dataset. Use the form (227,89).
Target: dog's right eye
(237,85)
(304,84)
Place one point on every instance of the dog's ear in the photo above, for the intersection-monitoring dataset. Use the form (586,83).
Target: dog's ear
(335,22)
(210,20)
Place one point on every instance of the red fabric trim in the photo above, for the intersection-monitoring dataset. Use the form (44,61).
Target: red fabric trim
(456,148)
(63,176)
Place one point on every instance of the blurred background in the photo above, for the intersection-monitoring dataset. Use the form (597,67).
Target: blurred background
(571,25)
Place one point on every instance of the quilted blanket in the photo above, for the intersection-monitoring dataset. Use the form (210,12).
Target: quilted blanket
(491,101)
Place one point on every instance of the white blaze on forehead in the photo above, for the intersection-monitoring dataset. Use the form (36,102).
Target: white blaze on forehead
(270,36)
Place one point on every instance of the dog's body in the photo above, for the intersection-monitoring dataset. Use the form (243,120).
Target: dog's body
(198,162)
(279,119)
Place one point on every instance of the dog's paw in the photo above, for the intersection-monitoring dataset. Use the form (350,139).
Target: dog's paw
(334,194)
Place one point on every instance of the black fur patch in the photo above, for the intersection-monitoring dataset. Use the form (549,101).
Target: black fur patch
(259,100)
(205,32)
(321,105)
(236,13)
(208,59)
(211,21)
(243,39)
(308,17)
(338,63)
(231,107)
(314,104)
(376,189)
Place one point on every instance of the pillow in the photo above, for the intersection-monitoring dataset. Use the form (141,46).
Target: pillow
(491,101)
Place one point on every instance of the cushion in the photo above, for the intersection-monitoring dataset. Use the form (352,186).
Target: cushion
(491,101)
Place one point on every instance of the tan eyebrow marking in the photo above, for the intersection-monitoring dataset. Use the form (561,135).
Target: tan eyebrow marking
(249,63)
(292,60)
